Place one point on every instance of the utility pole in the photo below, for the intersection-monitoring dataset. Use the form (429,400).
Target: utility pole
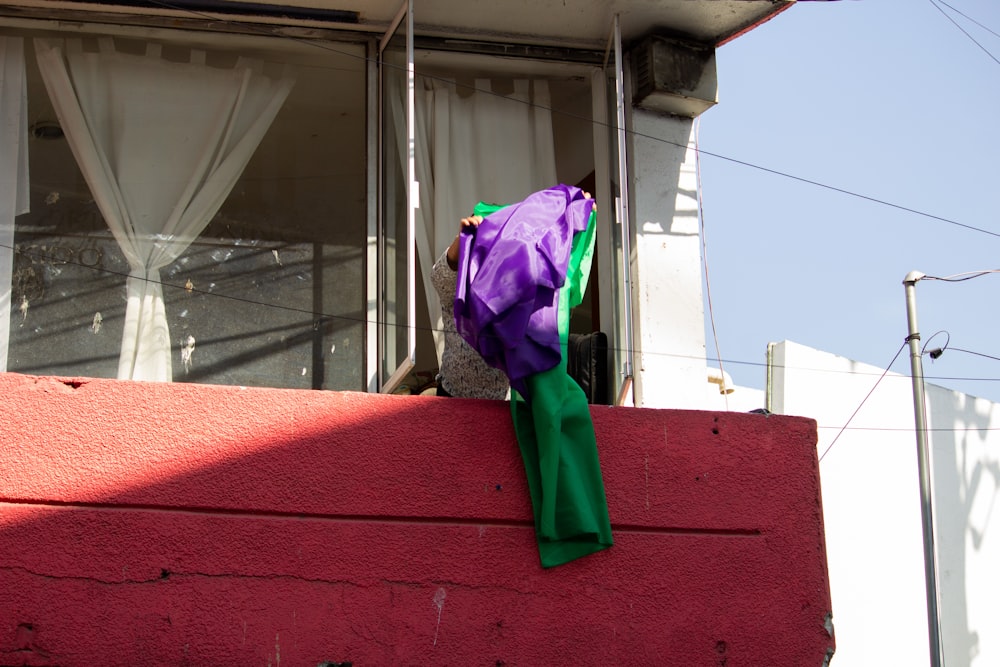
(924,468)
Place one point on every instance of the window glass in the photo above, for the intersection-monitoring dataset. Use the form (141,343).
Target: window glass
(269,292)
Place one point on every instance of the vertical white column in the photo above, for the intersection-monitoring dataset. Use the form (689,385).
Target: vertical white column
(669,313)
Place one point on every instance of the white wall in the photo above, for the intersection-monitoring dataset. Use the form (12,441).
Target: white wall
(668,316)
(871,508)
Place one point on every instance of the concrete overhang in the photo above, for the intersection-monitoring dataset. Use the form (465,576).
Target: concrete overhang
(583,24)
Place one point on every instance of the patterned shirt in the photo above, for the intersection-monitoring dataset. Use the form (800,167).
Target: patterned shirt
(463,372)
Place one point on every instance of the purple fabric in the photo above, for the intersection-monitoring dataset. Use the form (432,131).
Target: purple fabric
(510,270)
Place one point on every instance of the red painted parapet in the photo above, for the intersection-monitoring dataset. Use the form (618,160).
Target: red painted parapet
(178,524)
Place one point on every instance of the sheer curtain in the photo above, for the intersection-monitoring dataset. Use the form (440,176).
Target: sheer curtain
(475,145)
(161,144)
(13,169)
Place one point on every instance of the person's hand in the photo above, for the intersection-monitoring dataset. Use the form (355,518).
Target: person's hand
(472,221)
(586,195)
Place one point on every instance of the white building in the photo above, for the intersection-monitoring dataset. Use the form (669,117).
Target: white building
(872,508)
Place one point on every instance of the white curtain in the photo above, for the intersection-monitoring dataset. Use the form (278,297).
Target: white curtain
(161,144)
(475,145)
(13,169)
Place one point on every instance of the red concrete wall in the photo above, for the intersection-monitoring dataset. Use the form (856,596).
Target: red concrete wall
(175,524)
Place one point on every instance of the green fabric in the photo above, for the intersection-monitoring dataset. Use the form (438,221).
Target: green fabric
(556,437)
(484,209)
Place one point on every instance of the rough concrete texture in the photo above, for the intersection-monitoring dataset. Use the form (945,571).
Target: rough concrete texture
(179,524)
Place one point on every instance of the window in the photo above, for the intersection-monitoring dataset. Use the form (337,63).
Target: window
(148,251)
(269,289)
(496,129)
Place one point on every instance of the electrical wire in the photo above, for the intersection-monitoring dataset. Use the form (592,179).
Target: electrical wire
(322,316)
(322,45)
(936,352)
(965,32)
(977,354)
(909,429)
(961,277)
(318,315)
(700,197)
(867,396)
(987,29)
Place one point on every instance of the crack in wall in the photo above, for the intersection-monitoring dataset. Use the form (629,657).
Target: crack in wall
(166,574)
(171,574)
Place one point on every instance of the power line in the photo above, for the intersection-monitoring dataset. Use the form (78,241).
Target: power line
(844,191)
(987,29)
(961,277)
(704,257)
(904,429)
(319,315)
(964,31)
(978,354)
(324,46)
(867,396)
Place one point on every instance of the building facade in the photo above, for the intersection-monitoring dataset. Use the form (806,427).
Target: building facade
(244,194)
(250,196)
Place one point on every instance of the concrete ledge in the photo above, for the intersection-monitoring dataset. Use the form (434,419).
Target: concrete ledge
(179,524)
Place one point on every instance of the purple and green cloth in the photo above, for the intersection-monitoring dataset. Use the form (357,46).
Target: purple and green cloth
(520,272)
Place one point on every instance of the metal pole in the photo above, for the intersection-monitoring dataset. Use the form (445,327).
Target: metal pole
(924,468)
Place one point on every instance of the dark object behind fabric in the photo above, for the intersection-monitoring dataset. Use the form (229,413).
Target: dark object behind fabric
(587,363)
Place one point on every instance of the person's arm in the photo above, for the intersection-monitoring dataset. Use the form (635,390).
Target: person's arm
(471,221)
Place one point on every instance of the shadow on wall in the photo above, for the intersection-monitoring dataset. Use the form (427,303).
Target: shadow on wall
(965,486)
(305,535)
(676,209)
(154,523)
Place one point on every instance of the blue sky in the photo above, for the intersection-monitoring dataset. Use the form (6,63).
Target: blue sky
(887,99)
